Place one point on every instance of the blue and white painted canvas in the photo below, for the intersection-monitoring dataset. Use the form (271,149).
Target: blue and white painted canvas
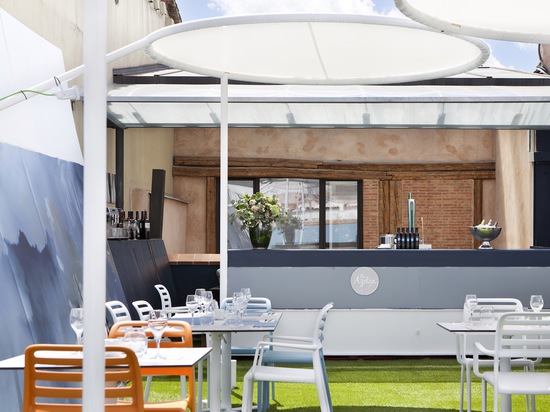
(41,195)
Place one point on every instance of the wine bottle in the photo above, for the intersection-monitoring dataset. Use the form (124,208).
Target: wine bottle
(147,226)
(398,240)
(142,226)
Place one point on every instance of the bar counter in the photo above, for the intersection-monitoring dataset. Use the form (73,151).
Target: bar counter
(407,279)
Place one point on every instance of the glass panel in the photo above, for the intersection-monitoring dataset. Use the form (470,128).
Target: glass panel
(237,238)
(299,199)
(341,212)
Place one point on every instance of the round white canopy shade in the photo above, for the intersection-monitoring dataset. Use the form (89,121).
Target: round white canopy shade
(513,20)
(315,49)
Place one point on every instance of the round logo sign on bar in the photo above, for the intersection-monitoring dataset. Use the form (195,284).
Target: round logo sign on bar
(364,281)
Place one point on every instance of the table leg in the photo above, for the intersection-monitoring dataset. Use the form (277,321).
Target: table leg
(226,371)
(214,391)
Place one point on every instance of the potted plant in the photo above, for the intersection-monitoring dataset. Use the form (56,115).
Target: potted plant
(257,213)
(288,224)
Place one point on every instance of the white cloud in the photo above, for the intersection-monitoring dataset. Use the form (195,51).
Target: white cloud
(240,7)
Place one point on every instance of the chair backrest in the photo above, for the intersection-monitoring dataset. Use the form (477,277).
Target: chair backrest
(319,328)
(179,332)
(53,379)
(165,300)
(256,305)
(499,305)
(117,312)
(522,335)
(143,309)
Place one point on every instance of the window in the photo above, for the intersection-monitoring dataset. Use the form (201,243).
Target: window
(325,214)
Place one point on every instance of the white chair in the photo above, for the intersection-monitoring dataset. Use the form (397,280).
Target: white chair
(118,312)
(260,371)
(525,335)
(500,306)
(166,301)
(143,309)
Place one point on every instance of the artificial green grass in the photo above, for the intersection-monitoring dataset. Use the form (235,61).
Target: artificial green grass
(371,385)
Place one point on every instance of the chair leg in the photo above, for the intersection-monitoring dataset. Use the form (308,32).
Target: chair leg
(147,388)
(483,396)
(263,396)
(325,378)
(248,389)
(461,407)
(469,387)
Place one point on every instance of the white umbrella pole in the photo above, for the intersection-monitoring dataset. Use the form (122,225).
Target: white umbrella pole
(224,145)
(95,199)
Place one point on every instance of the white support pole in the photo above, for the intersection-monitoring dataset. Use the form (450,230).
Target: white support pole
(224,148)
(95,199)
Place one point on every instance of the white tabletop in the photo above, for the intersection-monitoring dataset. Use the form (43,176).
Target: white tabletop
(252,323)
(170,357)
(464,327)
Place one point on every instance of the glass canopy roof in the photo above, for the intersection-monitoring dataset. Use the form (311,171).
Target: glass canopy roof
(470,105)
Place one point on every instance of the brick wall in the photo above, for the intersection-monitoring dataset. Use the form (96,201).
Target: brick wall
(370,214)
(446,207)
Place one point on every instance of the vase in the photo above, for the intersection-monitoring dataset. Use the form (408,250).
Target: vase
(260,236)
(289,236)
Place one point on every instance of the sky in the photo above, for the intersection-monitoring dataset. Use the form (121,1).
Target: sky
(511,55)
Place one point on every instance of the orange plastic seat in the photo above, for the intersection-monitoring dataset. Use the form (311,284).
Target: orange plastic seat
(180,336)
(53,378)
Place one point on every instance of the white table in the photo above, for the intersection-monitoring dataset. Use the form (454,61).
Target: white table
(219,390)
(477,328)
(172,358)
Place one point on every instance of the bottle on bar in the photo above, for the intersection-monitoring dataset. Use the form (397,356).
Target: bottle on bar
(398,240)
(142,226)
(147,226)
(130,224)
(416,238)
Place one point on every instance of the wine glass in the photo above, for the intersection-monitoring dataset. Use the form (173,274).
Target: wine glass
(157,324)
(200,292)
(192,302)
(536,303)
(208,298)
(247,294)
(471,304)
(77,323)
(240,302)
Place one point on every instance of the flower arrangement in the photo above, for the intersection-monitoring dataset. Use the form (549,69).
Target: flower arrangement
(256,210)
(289,221)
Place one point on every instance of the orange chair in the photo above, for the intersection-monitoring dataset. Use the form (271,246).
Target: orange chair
(180,335)
(53,377)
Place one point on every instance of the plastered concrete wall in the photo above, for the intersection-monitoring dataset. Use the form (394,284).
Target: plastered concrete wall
(364,145)
(514,190)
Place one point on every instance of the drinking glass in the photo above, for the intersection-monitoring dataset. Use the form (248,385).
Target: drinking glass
(247,294)
(240,302)
(157,324)
(471,304)
(192,302)
(200,297)
(208,297)
(536,303)
(487,315)
(136,339)
(77,323)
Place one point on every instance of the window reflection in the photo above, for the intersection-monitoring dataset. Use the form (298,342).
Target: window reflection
(314,203)
(341,214)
